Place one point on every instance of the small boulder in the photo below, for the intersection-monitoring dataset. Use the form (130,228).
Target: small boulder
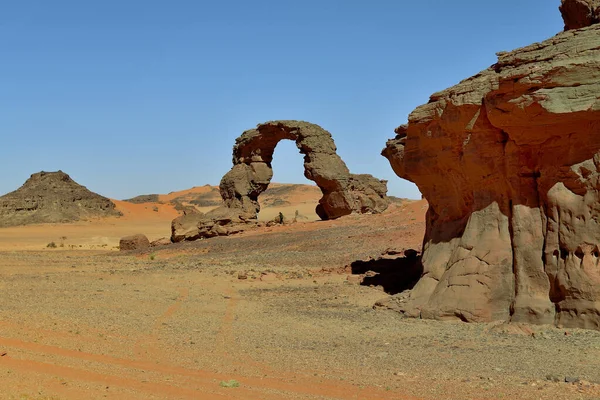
(161,242)
(134,242)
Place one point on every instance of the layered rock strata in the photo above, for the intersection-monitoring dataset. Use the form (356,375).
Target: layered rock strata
(52,197)
(509,161)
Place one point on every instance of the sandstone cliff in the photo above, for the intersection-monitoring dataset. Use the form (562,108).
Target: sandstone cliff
(509,161)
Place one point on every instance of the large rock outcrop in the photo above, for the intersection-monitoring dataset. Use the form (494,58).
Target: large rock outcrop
(343,192)
(509,161)
(580,13)
(52,197)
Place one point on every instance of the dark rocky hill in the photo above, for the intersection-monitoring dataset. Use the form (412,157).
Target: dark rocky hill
(143,198)
(52,197)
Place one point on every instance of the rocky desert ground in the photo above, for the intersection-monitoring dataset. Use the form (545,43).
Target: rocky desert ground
(272,313)
(334,291)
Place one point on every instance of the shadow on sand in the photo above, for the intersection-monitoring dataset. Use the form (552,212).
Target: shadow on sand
(394,275)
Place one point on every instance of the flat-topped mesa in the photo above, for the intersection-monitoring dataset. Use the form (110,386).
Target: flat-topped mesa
(509,161)
(580,13)
(343,193)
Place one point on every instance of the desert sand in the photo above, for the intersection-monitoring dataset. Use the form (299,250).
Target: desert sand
(152,219)
(276,312)
(384,300)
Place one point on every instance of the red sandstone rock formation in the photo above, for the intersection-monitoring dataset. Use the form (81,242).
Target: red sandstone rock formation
(580,13)
(343,192)
(509,161)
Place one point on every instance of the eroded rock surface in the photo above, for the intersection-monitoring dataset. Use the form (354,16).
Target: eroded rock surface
(580,13)
(343,192)
(509,161)
(52,197)
(134,242)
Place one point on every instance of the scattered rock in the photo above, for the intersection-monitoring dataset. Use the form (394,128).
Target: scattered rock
(160,242)
(392,252)
(134,242)
(394,302)
(571,379)
(507,328)
(242,275)
(355,279)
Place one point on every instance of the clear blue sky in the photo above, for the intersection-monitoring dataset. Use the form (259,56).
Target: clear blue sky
(147,96)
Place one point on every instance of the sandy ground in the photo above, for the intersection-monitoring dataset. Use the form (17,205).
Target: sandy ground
(151,219)
(95,234)
(275,312)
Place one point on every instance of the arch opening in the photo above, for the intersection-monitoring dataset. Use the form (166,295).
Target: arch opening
(343,193)
(290,192)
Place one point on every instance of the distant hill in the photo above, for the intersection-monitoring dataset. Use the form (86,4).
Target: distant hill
(204,198)
(144,198)
(52,197)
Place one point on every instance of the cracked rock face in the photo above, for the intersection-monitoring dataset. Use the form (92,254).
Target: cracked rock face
(343,193)
(509,161)
(580,13)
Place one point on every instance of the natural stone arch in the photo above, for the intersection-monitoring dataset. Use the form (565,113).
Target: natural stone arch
(343,193)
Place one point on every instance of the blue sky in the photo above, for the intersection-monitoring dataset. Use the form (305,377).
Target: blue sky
(147,96)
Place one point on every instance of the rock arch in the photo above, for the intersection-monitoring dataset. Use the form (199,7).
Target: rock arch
(343,193)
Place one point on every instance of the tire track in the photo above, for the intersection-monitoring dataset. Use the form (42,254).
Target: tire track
(202,382)
(146,347)
(226,334)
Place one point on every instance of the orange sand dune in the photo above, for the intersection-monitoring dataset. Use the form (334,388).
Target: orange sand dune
(152,219)
(145,211)
(182,193)
(93,234)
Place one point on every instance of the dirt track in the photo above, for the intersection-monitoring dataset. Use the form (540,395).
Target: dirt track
(176,322)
